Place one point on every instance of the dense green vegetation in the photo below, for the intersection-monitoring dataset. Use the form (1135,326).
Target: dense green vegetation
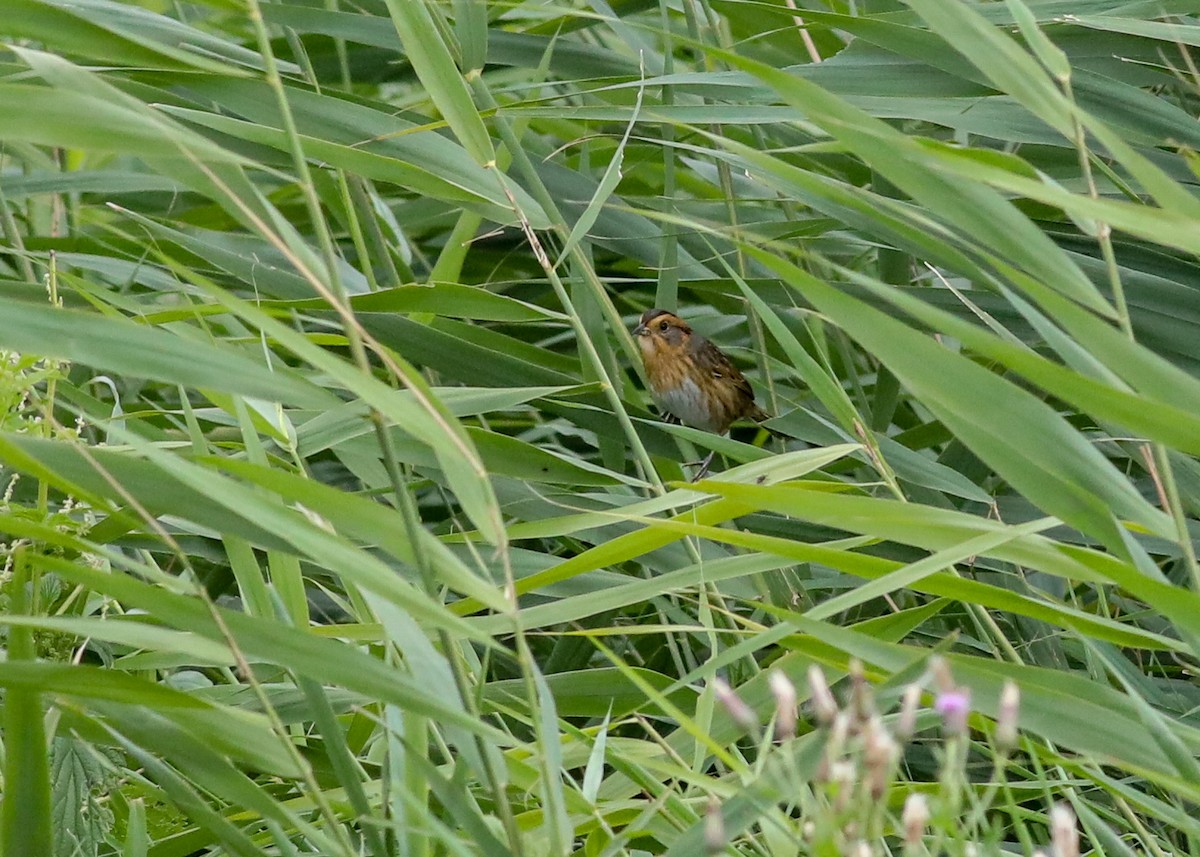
(336,519)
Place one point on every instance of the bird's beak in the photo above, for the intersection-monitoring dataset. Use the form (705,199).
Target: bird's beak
(641,330)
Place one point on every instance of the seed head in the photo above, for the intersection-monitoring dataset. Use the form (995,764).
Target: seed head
(843,775)
(861,849)
(1007,716)
(714,828)
(860,692)
(941,673)
(839,731)
(914,818)
(822,698)
(742,714)
(879,755)
(906,723)
(1063,832)
(785,704)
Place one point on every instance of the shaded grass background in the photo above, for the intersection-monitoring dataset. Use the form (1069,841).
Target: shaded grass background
(342,524)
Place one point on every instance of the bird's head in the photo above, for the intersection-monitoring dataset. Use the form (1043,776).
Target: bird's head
(660,331)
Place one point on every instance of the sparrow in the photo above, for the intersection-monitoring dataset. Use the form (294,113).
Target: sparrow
(691,379)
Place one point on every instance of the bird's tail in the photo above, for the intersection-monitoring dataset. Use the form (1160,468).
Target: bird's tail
(760,416)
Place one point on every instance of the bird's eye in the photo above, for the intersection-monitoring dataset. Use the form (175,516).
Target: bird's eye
(664,327)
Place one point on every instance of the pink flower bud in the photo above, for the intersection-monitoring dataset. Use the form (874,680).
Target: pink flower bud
(954,706)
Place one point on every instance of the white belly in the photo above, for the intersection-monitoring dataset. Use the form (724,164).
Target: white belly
(686,403)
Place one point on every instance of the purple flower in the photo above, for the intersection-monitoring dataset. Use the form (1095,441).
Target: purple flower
(954,706)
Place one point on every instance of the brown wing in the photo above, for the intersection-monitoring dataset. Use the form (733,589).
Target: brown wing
(712,360)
